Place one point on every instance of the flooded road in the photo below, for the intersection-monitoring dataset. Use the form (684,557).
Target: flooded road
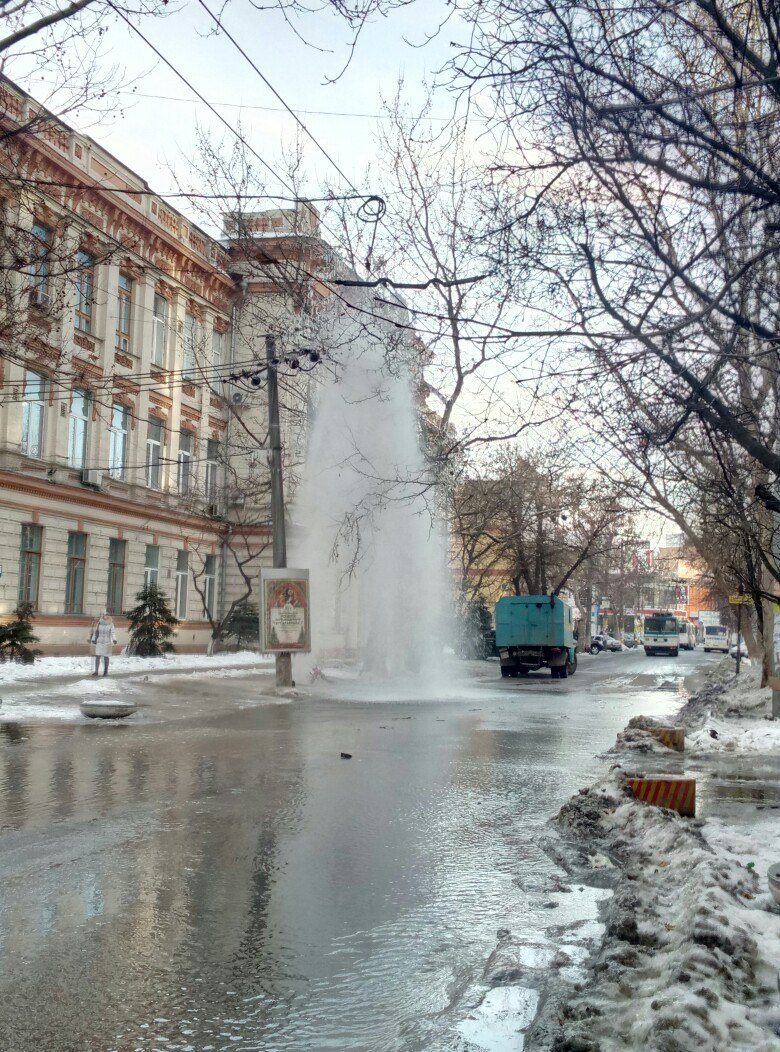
(229,881)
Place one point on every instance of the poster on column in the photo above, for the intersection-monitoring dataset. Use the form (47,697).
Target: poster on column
(284,611)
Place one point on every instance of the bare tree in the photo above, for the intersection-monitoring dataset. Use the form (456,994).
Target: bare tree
(640,140)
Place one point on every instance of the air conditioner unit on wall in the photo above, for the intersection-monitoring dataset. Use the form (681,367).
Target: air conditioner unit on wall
(214,511)
(91,477)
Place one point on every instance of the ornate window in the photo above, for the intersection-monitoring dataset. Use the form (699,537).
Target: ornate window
(30,564)
(209,584)
(190,342)
(77,428)
(117,441)
(116,575)
(33,410)
(184,463)
(182,573)
(39,273)
(85,278)
(154,442)
(159,330)
(124,306)
(76,570)
(151,565)
(212,470)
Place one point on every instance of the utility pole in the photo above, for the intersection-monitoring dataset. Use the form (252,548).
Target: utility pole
(283,660)
(774,641)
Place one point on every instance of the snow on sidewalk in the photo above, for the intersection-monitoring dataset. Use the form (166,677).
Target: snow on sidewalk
(690,956)
(47,668)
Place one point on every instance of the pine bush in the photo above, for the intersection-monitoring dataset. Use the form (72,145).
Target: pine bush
(151,623)
(242,623)
(16,637)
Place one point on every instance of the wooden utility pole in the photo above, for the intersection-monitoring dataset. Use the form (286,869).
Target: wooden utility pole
(283,660)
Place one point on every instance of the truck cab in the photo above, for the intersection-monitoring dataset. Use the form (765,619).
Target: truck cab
(535,631)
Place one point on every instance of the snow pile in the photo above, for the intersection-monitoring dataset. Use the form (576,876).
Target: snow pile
(726,694)
(719,735)
(636,736)
(729,715)
(688,959)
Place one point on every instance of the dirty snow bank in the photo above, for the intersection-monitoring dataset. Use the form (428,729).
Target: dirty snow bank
(730,715)
(689,956)
(728,695)
(56,667)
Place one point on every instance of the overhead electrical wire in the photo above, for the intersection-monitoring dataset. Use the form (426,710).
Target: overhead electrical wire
(368,198)
(274,109)
(226,32)
(189,194)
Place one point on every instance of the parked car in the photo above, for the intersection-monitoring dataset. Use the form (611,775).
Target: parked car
(629,639)
(742,648)
(604,642)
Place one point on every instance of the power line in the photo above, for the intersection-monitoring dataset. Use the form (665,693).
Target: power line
(220,25)
(189,194)
(276,109)
(202,98)
(222,119)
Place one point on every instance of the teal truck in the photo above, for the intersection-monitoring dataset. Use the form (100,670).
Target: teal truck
(535,631)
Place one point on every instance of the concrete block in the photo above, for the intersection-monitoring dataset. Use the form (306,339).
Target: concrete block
(679,794)
(671,737)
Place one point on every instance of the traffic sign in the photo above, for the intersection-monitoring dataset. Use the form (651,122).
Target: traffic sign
(737,600)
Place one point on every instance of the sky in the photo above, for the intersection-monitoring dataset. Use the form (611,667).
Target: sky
(151,123)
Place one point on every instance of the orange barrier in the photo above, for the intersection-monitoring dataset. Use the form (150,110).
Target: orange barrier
(679,794)
(671,737)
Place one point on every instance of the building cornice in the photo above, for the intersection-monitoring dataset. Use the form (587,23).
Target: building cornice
(115,507)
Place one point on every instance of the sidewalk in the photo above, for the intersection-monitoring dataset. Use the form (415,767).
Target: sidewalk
(691,946)
(53,687)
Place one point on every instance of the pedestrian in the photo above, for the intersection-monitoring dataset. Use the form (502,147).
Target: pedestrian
(104,639)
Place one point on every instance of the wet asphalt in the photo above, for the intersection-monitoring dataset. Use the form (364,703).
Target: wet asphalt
(212,875)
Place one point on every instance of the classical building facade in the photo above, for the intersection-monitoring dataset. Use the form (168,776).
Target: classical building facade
(126,454)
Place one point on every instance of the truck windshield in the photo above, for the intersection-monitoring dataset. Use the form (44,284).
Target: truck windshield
(661,625)
(714,630)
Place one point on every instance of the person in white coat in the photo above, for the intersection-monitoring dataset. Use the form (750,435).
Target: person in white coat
(104,640)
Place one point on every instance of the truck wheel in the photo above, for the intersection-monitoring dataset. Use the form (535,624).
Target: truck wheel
(563,671)
(594,650)
(506,672)
(571,666)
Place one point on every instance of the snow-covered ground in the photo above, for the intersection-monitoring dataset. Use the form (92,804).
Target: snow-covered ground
(690,956)
(47,668)
(53,688)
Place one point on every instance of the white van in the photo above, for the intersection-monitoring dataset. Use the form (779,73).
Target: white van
(716,637)
(687,636)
